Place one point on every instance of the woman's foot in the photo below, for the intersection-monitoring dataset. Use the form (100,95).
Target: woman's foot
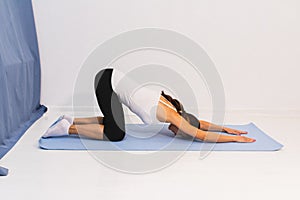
(58,120)
(61,128)
(68,118)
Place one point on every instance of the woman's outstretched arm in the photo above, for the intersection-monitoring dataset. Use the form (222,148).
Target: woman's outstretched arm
(207,126)
(206,136)
(166,114)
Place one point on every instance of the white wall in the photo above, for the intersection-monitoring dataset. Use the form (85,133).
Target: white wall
(254,44)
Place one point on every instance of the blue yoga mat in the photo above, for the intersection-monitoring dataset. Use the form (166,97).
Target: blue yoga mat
(158,137)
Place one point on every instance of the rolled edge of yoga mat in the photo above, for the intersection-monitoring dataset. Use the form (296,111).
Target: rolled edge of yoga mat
(3,171)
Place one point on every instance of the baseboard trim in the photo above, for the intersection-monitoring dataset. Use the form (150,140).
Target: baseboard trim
(202,111)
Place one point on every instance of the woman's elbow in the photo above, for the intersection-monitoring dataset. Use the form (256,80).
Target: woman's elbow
(201,135)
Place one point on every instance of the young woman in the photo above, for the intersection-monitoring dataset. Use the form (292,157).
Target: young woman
(151,106)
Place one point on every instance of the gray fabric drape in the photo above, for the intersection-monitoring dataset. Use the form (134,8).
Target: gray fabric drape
(19,73)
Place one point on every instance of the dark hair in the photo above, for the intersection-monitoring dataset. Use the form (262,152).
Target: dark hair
(174,102)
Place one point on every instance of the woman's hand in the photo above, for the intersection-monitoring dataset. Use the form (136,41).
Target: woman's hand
(233,131)
(243,139)
(237,138)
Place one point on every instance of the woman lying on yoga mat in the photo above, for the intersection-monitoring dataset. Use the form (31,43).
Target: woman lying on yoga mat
(151,106)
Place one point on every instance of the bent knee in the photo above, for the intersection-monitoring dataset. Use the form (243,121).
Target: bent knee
(116,137)
(114,133)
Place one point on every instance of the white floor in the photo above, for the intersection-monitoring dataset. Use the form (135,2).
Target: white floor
(40,174)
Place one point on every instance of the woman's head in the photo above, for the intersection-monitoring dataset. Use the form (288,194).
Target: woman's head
(191,119)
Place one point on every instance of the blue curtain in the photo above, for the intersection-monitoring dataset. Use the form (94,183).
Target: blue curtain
(19,73)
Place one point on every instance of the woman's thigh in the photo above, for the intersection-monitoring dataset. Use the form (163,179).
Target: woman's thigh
(110,105)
